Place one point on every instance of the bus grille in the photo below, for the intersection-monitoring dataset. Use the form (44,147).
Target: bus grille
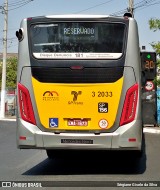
(85,75)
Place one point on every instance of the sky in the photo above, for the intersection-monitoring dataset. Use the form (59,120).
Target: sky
(19,9)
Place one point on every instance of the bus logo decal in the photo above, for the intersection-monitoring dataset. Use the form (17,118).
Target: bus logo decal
(50,93)
(75,97)
(50,96)
(75,94)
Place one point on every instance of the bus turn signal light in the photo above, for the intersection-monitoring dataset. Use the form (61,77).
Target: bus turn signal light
(130,105)
(25,104)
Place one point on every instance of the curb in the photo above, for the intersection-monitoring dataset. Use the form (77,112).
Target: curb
(7,119)
(154,130)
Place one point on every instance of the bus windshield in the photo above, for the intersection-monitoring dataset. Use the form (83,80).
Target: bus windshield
(77,40)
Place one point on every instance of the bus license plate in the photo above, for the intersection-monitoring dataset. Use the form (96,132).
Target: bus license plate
(77,122)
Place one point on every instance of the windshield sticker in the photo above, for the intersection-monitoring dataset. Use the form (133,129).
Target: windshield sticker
(77,55)
(53,122)
(103,123)
(103,107)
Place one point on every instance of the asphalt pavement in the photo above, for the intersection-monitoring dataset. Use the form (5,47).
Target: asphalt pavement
(83,170)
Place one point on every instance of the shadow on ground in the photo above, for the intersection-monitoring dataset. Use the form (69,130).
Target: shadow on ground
(87,162)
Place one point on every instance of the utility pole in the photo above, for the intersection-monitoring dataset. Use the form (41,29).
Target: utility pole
(131,7)
(3,86)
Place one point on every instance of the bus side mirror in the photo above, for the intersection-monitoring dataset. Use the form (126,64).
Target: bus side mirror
(127,15)
(19,34)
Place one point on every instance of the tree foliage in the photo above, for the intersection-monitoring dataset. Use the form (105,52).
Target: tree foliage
(154,25)
(156,47)
(11,73)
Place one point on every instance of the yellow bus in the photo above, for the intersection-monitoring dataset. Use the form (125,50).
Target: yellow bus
(79,84)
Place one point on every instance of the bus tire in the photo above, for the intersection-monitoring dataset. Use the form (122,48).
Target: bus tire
(53,154)
(138,154)
(50,154)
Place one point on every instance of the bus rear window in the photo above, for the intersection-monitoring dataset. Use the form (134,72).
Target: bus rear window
(77,40)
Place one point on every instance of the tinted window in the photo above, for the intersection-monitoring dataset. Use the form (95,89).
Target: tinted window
(78,37)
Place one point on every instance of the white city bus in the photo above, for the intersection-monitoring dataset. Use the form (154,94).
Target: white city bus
(79,84)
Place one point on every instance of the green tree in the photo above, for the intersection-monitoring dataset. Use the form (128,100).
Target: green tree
(11,73)
(154,25)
